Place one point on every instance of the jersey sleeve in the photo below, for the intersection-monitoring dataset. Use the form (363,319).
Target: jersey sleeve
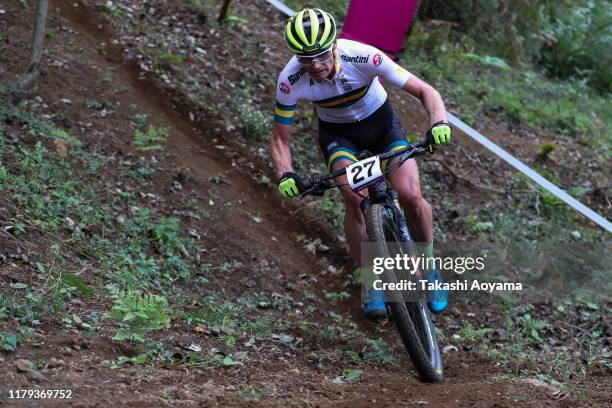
(286,101)
(379,64)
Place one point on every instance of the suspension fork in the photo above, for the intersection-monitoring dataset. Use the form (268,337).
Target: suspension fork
(401,218)
(379,193)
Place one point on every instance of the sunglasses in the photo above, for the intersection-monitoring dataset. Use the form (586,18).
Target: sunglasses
(319,59)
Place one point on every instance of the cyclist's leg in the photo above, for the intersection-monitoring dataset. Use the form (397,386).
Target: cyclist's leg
(339,153)
(354,222)
(405,181)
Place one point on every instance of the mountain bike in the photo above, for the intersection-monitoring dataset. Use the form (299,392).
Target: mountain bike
(388,234)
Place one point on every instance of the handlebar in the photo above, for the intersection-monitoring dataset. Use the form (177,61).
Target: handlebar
(317,185)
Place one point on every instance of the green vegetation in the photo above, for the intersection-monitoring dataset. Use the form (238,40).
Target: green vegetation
(137,252)
(255,123)
(469,334)
(126,241)
(336,296)
(151,139)
(251,393)
(337,8)
(137,314)
(568,39)
(8,341)
(506,47)
(569,107)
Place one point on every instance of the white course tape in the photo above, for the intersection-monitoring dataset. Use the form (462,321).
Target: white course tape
(279,5)
(520,166)
(507,157)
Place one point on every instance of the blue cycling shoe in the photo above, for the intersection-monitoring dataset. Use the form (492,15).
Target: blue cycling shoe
(437,300)
(374,307)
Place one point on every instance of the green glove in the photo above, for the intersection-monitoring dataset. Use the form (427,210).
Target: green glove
(439,133)
(290,185)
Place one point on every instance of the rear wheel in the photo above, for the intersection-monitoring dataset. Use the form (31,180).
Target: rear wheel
(412,319)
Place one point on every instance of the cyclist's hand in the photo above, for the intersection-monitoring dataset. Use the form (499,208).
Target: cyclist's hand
(290,185)
(439,133)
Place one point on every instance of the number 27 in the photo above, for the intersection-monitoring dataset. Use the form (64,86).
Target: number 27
(357,171)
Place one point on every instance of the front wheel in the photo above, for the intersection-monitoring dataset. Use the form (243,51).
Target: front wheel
(412,319)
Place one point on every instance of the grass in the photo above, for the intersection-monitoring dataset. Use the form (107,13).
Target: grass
(528,351)
(569,108)
(144,250)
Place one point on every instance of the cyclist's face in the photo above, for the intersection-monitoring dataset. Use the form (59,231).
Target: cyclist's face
(321,66)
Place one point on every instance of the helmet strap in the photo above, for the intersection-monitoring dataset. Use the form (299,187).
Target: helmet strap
(335,64)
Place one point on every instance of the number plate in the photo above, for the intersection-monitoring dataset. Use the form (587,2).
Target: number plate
(364,172)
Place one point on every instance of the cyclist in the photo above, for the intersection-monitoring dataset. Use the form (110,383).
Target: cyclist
(341,78)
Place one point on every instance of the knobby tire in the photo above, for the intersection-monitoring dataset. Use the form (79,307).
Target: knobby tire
(412,319)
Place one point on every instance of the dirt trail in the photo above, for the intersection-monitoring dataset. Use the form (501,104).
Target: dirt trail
(286,378)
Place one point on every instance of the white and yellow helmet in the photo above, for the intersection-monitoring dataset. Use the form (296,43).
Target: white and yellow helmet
(310,32)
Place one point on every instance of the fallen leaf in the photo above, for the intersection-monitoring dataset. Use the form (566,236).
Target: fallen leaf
(36,376)
(449,348)
(352,375)
(228,361)
(194,347)
(24,365)
(60,147)
(264,305)
(239,355)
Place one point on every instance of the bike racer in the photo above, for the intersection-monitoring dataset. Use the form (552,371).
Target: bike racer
(341,77)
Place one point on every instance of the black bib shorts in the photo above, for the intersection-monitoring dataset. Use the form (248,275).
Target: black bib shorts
(380,132)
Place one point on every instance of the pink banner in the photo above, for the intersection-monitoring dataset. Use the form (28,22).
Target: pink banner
(381,23)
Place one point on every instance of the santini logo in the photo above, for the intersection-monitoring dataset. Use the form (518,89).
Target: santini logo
(361,59)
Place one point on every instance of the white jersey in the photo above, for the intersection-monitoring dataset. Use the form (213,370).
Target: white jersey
(354,92)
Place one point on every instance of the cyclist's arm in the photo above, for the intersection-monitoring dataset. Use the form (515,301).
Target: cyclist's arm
(385,67)
(285,103)
(429,97)
(279,148)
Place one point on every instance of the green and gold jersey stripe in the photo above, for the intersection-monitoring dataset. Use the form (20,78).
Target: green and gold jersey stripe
(344,100)
(401,145)
(284,113)
(339,154)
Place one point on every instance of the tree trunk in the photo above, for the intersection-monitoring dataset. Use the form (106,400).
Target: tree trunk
(224,8)
(33,70)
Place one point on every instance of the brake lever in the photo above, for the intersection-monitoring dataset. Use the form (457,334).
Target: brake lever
(313,192)
(318,192)
(315,188)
